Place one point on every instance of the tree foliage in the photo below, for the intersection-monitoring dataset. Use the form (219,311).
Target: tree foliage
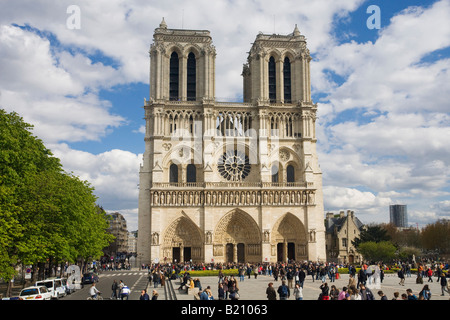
(372,233)
(377,251)
(45,213)
(436,236)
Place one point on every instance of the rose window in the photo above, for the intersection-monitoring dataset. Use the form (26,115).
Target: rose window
(234,165)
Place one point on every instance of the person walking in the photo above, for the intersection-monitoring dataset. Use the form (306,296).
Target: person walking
(114,288)
(362,277)
(270,292)
(401,275)
(444,284)
(283,291)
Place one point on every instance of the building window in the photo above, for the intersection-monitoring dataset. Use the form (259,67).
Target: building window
(173,177)
(174,76)
(191,173)
(344,242)
(272,80)
(191,77)
(287,80)
(274,173)
(290,173)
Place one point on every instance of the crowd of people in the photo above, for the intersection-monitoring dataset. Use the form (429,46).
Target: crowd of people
(294,274)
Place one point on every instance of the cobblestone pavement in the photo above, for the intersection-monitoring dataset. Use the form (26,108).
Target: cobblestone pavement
(255,289)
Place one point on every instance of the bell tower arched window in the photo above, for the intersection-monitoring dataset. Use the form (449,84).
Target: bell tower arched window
(290,173)
(272,80)
(191,173)
(274,173)
(174,77)
(173,174)
(191,77)
(287,80)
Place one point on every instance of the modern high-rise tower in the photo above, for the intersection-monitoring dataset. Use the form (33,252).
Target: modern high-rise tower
(398,215)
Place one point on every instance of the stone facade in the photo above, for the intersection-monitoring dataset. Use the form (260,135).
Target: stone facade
(224,181)
(341,230)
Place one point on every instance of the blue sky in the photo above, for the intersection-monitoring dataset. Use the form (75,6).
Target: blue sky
(382,94)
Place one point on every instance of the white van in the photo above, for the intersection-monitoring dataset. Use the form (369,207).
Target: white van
(55,286)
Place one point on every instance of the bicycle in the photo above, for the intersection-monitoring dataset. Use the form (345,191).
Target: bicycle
(98,297)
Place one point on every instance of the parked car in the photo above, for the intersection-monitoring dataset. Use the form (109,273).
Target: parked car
(55,286)
(66,286)
(35,293)
(89,277)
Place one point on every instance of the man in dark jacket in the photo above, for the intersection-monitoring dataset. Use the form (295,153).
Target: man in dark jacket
(284,291)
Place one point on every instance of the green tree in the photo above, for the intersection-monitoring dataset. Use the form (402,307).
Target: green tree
(372,233)
(46,214)
(377,251)
(436,236)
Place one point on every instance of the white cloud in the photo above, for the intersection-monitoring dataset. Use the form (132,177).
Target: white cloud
(52,90)
(114,175)
(395,145)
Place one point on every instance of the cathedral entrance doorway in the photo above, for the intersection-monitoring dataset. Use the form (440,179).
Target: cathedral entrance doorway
(289,236)
(235,252)
(285,251)
(240,236)
(183,241)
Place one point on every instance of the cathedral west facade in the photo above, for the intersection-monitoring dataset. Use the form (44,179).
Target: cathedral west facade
(229,182)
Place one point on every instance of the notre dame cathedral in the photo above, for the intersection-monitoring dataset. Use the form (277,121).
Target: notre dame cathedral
(229,181)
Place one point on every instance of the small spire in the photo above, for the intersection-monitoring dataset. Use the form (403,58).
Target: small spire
(296,31)
(163,24)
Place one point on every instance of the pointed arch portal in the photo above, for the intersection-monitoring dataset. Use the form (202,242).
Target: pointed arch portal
(183,241)
(289,238)
(237,238)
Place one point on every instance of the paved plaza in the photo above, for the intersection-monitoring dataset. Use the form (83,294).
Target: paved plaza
(255,289)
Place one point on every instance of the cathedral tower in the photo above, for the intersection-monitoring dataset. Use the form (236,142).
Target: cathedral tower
(224,181)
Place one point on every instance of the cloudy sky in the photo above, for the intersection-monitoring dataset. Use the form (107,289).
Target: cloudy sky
(79,72)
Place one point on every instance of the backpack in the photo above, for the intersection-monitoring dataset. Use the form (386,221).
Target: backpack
(284,291)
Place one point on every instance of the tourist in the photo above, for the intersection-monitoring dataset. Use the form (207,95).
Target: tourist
(325,295)
(343,295)
(396,295)
(351,281)
(425,293)
(334,293)
(382,295)
(284,291)
(401,275)
(410,295)
(270,292)
(444,284)
(144,295)
(298,292)
(366,293)
(221,292)
(155,295)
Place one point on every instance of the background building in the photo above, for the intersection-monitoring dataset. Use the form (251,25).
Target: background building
(118,228)
(341,230)
(398,215)
(229,181)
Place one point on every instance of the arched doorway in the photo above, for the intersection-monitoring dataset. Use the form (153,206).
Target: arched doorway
(239,235)
(182,241)
(289,238)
